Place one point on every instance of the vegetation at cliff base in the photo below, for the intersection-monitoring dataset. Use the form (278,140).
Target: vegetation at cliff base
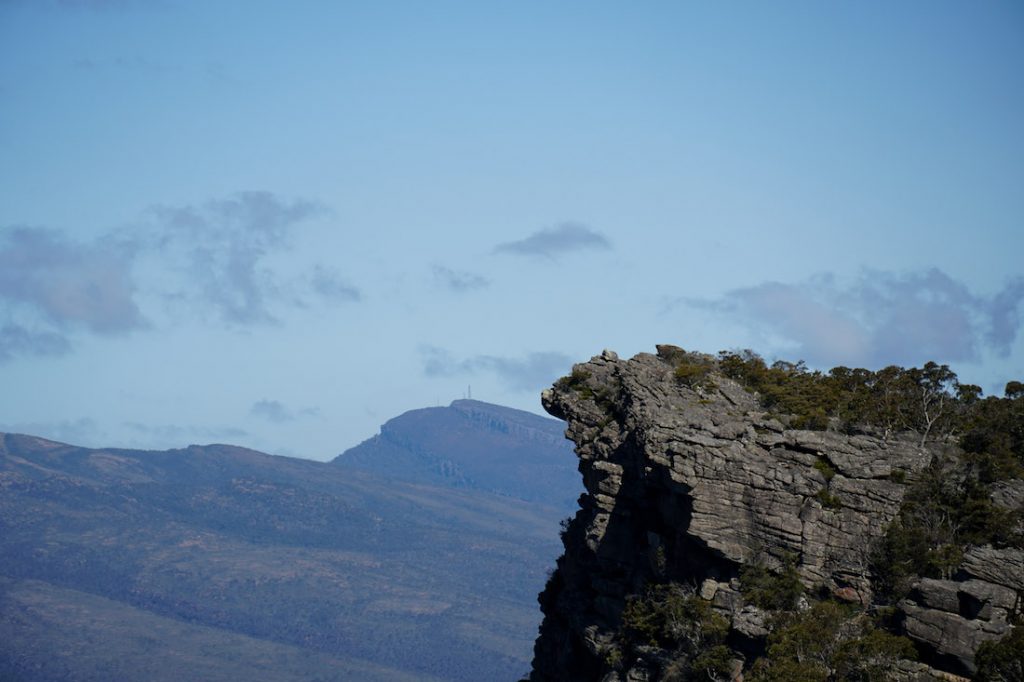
(1003,660)
(675,619)
(829,641)
(772,590)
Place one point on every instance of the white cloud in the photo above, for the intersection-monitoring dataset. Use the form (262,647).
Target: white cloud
(879,318)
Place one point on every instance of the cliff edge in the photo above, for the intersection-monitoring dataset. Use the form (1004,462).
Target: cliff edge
(715,542)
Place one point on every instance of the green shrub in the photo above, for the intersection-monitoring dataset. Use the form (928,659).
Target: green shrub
(1003,660)
(828,499)
(695,372)
(770,590)
(943,512)
(712,665)
(670,617)
(825,467)
(830,641)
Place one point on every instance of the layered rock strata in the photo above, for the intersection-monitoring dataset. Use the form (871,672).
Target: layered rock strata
(689,484)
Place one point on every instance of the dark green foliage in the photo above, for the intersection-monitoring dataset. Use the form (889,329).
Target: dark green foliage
(771,590)
(711,665)
(944,512)
(603,395)
(1014,390)
(871,656)
(695,371)
(828,499)
(784,387)
(1002,661)
(671,617)
(928,400)
(829,642)
(675,619)
(825,467)
(993,435)
(576,381)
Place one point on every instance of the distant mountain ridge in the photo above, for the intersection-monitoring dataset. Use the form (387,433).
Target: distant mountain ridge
(222,563)
(476,445)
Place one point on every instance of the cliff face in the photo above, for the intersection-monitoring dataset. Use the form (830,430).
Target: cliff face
(690,486)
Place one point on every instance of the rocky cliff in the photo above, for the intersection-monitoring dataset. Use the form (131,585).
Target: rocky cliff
(697,498)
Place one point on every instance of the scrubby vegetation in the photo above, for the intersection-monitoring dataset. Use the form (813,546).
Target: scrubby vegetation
(676,620)
(579,382)
(819,641)
(771,590)
(928,400)
(1002,661)
(829,641)
(943,513)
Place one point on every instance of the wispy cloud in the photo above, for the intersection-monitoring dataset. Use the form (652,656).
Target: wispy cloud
(329,284)
(95,5)
(458,281)
(52,286)
(532,372)
(83,431)
(879,318)
(174,433)
(275,411)
(87,5)
(222,245)
(220,260)
(554,241)
(132,63)
(16,340)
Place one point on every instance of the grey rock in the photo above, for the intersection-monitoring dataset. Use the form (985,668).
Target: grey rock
(1009,494)
(711,482)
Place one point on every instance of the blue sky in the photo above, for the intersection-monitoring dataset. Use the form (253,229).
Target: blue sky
(280,224)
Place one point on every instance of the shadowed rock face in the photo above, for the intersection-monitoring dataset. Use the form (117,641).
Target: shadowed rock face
(690,484)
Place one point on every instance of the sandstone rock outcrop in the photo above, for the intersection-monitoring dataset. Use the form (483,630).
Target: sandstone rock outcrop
(689,484)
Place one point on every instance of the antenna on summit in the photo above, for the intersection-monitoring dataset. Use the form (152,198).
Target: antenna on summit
(469,391)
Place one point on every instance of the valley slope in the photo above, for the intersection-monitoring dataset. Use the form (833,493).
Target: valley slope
(218,563)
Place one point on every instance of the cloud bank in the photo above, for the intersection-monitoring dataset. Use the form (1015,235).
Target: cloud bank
(878,319)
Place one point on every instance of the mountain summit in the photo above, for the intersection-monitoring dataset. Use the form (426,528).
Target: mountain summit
(475,445)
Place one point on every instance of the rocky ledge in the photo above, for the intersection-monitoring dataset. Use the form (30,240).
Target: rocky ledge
(689,485)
